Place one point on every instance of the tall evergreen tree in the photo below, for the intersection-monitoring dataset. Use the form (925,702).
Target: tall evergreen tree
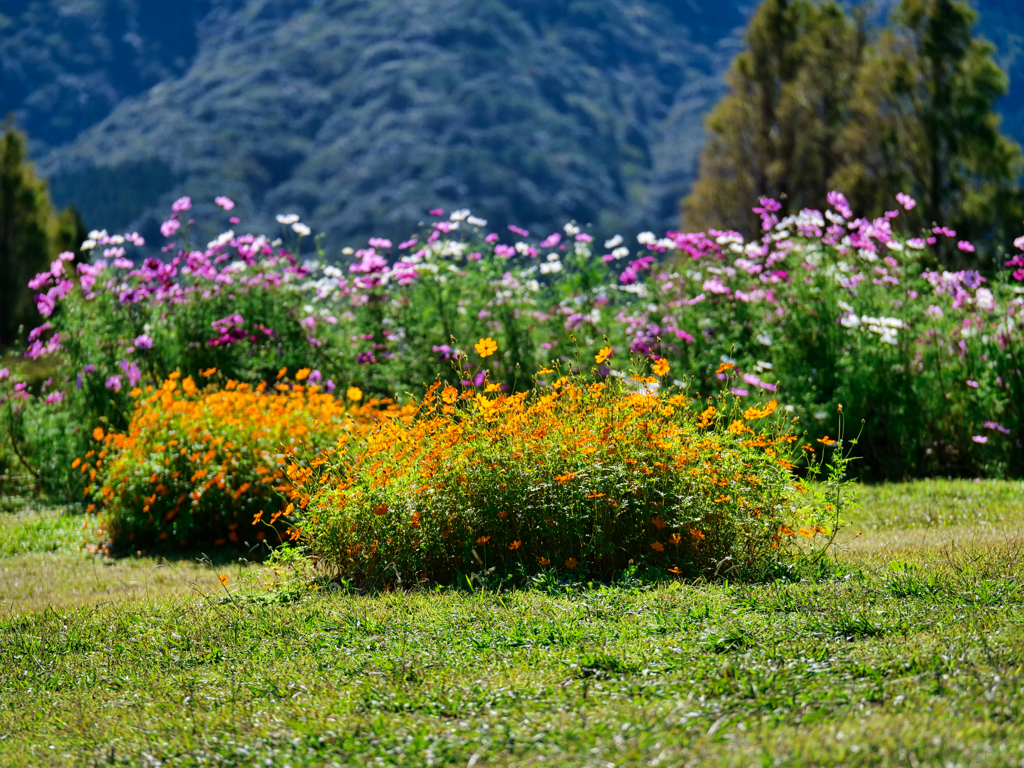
(924,122)
(29,231)
(778,130)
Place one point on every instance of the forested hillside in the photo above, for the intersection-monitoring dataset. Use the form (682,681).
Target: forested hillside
(361,114)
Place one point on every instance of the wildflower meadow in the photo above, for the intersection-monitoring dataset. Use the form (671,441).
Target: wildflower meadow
(514,496)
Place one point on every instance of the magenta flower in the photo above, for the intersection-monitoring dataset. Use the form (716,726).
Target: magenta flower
(114,383)
(235,220)
(380,242)
(4,373)
(143,342)
(519,230)
(182,204)
(715,286)
(224,202)
(965,245)
(491,238)
(54,397)
(45,304)
(906,201)
(583,237)
(504,251)
(407,244)
(838,201)
(551,240)
(436,212)
(169,227)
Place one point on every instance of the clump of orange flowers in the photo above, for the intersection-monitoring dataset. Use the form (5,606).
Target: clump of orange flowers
(587,476)
(201,467)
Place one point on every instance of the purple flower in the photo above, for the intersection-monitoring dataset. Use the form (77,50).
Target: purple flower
(54,397)
(144,341)
(114,383)
(997,426)
(315,377)
(444,352)
(980,439)
(182,204)
(224,202)
(740,392)
(89,368)
(972,384)
(329,386)
(132,371)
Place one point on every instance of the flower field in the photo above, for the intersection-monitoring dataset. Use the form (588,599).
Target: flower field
(495,348)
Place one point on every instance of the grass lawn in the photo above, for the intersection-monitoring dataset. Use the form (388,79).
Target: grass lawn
(910,653)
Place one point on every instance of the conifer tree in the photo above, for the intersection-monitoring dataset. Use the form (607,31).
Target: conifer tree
(777,132)
(924,122)
(30,232)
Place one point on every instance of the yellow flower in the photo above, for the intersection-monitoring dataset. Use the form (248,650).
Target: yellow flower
(661,367)
(542,371)
(302,373)
(354,393)
(492,388)
(603,355)
(486,347)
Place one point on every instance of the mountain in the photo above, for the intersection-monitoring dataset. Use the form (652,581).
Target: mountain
(360,115)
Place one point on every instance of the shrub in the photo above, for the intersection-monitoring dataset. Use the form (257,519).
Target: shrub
(582,478)
(195,467)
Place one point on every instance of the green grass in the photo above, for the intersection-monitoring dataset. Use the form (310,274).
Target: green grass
(916,660)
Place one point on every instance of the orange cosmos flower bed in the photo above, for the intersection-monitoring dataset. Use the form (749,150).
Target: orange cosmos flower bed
(206,468)
(583,477)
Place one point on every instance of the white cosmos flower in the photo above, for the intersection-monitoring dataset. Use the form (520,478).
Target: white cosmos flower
(287,219)
(460,215)
(474,221)
(615,242)
(301,229)
(646,238)
(553,257)
(571,229)
(621,252)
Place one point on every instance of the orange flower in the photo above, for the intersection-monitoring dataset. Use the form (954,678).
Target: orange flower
(785,530)
(759,413)
(188,385)
(302,374)
(563,479)
(826,440)
(594,495)
(295,534)
(355,394)
(723,498)
(571,563)
(486,347)
(661,367)
(658,523)
(75,463)
(97,434)
(380,510)
(544,561)
(483,540)
(674,569)
(514,545)
(603,355)
(542,371)
(449,394)
(675,538)
(657,546)
(257,517)
(135,392)
(492,388)
(724,367)
(223,579)
(208,372)
(282,372)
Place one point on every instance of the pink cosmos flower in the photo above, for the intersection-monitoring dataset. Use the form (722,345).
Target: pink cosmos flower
(380,242)
(169,227)
(966,246)
(519,230)
(906,201)
(980,439)
(491,238)
(972,384)
(838,201)
(996,426)
(436,212)
(555,238)
(182,204)
(224,202)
